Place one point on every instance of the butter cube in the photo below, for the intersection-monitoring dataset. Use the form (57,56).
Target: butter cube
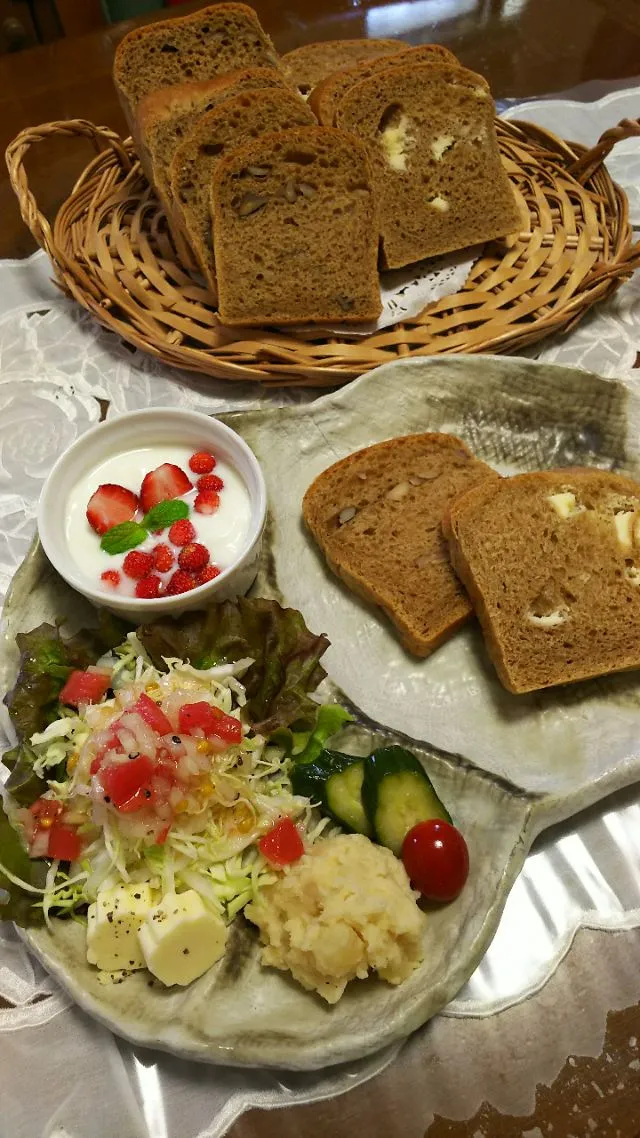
(624,532)
(181,938)
(113,922)
(564,504)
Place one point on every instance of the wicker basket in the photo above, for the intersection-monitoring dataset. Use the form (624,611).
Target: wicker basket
(111,251)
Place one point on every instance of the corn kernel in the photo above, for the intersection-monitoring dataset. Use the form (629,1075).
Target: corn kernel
(72,763)
(206,790)
(243,818)
(203,746)
(45,823)
(152,689)
(182,806)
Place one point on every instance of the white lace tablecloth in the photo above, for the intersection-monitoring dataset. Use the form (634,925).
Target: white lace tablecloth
(58,372)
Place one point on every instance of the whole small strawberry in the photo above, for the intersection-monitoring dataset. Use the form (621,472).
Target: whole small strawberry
(209,573)
(111,577)
(202,463)
(210,482)
(207,502)
(163,559)
(149,587)
(137,564)
(180,582)
(193,557)
(182,532)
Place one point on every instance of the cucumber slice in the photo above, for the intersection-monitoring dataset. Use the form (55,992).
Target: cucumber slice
(397,794)
(343,796)
(334,780)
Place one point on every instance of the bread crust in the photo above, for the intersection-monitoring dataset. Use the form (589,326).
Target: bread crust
(308,65)
(518,672)
(437,448)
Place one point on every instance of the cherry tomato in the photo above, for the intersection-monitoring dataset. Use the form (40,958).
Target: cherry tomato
(64,842)
(128,784)
(436,859)
(202,716)
(282,844)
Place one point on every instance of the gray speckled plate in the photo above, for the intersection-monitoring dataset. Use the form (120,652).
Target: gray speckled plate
(576,743)
(543,757)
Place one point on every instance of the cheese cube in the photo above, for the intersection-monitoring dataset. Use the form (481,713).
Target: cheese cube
(565,504)
(623,523)
(113,922)
(181,938)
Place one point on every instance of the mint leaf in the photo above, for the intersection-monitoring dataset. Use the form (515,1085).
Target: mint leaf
(165,514)
(125,536)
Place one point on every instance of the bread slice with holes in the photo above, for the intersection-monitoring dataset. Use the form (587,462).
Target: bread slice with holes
(295,230)
(431,137)
(326,96)
(551,562)
(308,65)
(220,38)
(165,118)
(376,516)
(237,120)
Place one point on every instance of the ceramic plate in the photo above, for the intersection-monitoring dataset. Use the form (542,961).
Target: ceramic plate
(574,744)
(242,1014)
(527,761)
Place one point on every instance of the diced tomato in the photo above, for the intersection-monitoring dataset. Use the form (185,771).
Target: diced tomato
(85,687)
(283,844)
(112,744)
(127,784)
(64,842)
(210,720)
(153,715)
(45,808)
(163,835)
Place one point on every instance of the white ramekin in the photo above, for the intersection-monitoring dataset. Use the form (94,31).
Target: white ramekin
(155,426)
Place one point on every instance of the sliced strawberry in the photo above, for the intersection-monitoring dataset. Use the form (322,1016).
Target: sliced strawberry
(202,463)
(111,577)
(109,506)
(148,588)
(207,502)
(165,482)
(163,558)
(153,715)
(193,557)
(209,573)
(137,564)
(180,582)
(210,482)
(182,532)
(85,687)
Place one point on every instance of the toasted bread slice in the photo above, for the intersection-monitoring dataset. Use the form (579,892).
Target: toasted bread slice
(165,117)
(222,37)
(326,96)
(295,230)
(376,516)
(216,134)
(432,142)
(308,65)
(551,562)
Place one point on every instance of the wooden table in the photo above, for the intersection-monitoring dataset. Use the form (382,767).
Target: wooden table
(525,48)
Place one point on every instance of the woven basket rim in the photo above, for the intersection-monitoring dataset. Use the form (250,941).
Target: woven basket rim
(112,252)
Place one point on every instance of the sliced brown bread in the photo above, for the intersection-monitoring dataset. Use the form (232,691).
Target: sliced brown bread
(295,230)
(165,117)
(223,37)
(326,96)
(551,562)
(430,132)
(307,66)
(215,135)
(376,516)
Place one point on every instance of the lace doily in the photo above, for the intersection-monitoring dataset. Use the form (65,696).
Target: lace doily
(60,373)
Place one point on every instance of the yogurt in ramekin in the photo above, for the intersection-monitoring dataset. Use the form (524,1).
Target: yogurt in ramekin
(122,451)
